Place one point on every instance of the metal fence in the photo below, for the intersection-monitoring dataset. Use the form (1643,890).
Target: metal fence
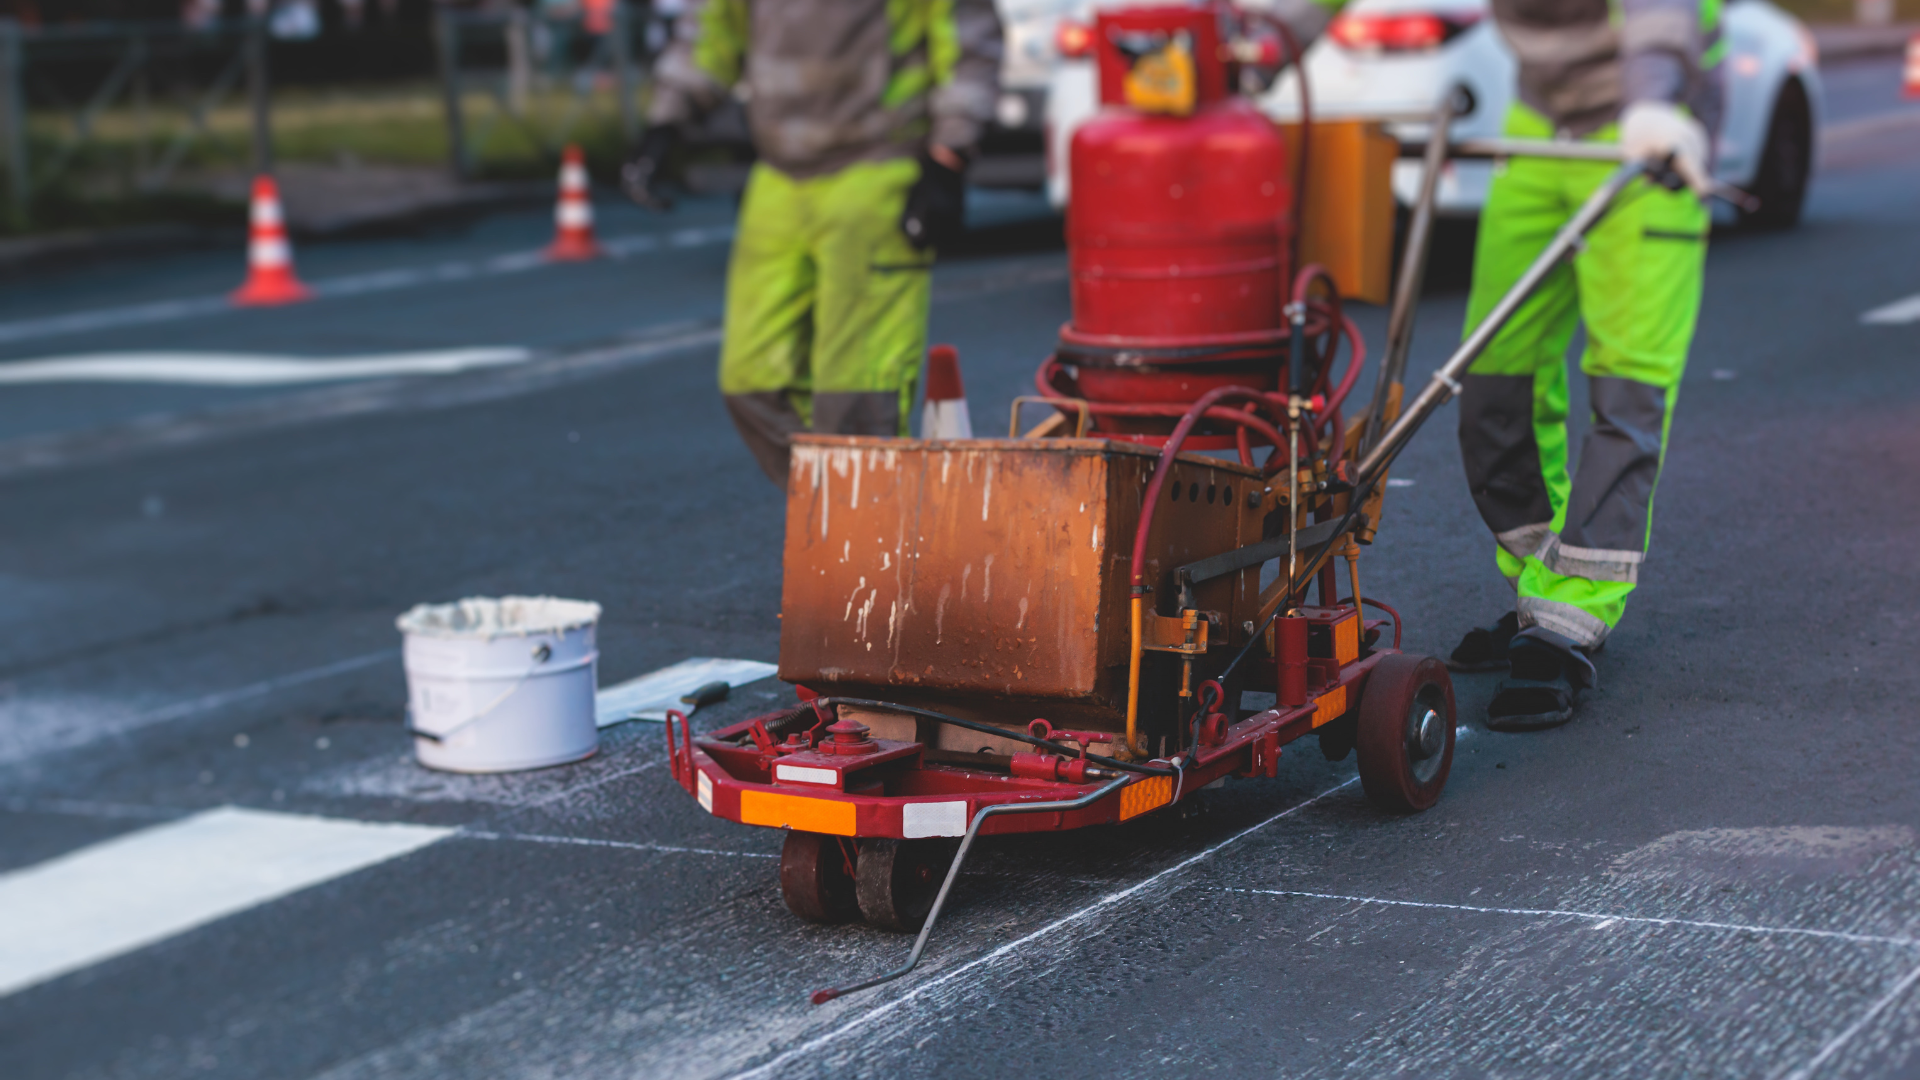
(545,77)
(169,77)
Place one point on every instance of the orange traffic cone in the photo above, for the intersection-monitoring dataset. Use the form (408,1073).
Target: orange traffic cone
(270,277)
(945,415)
(1912,78)
(573,215)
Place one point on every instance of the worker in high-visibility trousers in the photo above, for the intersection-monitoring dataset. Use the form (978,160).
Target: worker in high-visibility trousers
(865,114)
(1643,73)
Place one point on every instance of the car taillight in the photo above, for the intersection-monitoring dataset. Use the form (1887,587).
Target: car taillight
(1399,32)
(1073,40)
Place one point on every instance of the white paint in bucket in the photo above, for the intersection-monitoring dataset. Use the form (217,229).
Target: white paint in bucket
(496,685)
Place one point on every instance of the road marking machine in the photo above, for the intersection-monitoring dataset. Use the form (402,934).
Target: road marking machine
(1055,630)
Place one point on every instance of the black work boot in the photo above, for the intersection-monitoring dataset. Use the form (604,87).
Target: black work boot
(1484,648)
(1548,669)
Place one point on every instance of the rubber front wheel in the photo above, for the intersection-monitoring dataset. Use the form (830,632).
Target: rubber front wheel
(815,878)
(1786,162)
(897,880)
(1405,732)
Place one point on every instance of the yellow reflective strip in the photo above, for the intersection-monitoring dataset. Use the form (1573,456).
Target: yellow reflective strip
(1330,706)
(1346,640)
(1143,795)
(796,812)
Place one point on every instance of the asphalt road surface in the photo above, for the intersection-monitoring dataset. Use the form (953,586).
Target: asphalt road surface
(1713,871)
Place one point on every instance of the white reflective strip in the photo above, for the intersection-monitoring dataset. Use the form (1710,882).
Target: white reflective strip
(802,774)
(919,819)
(946,420)
(135,890)
(573,215)
(266,214)
(573,177)
(706,793)
(1527,541)
(269,252)
(1564,619)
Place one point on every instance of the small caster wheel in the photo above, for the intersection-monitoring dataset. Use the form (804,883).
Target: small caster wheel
(1405,732)
(897,880)
(816,878)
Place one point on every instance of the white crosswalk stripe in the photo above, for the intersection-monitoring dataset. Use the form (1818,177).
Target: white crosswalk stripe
(113,897)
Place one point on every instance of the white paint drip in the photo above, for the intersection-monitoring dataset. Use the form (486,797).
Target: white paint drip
(1022,624)
(986,492)
(986,579)
(1017,947)
(940,611)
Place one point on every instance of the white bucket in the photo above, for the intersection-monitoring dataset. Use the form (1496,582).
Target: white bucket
(499,685)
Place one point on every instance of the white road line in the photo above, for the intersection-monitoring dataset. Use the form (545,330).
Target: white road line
(262,688)
(1598,916)
(1014,947)
(379,281)
(30,727)
(1894,314)
(1834,1044)
(626,845)
(135,890)
(250,369)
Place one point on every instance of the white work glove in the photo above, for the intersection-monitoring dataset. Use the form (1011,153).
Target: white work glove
(1655,131)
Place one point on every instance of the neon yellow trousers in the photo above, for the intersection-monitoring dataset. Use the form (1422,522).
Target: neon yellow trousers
(826,308)
(1572,542)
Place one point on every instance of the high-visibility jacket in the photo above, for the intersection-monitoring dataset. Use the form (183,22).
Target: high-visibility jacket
(1582,61)
(832,82)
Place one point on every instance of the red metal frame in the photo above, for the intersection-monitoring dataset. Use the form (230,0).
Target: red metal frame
(730,769)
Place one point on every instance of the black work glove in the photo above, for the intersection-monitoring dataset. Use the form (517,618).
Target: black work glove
(936,206)
(643,177)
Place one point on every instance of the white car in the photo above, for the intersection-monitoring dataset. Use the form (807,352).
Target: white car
(1395,57)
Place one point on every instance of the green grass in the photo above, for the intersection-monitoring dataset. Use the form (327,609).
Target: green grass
(393,125)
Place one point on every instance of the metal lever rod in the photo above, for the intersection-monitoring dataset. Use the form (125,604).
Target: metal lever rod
(1413,269)
(821,997)
(1446,382)
(1566,150)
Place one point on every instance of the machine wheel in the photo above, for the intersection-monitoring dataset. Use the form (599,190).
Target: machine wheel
(896,880)
(1405,735)
(1786,162)
(815,880)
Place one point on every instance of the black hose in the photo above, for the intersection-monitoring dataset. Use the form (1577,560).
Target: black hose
(989,729)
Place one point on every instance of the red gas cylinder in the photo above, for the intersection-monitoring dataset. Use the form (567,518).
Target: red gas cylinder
(1178,230)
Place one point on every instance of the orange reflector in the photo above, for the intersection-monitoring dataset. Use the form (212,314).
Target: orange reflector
(1141,796)
(796,812)
(1346,640)
(1330,706)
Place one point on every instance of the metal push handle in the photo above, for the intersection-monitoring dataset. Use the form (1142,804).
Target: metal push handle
(1446,382)
(821,997)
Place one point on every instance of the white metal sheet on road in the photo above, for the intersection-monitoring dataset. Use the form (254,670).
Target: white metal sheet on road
(251,369)
(135,890)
